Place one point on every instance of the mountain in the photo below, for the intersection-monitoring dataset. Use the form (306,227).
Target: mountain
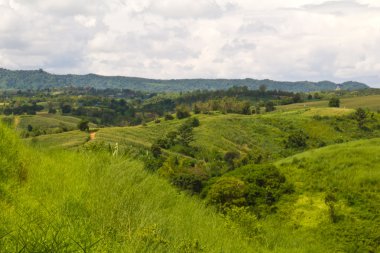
(31,79)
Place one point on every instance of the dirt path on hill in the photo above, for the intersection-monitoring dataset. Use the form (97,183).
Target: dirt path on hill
(92,136)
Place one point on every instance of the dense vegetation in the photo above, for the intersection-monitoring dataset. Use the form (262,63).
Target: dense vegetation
(233,170)
(40,79)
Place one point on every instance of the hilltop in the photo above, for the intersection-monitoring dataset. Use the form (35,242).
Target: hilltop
(32,79)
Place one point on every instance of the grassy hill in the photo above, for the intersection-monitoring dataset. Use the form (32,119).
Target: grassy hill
(44,123)
(23,79)
(371,102)
(337,195)
(62,201)
(265,134)
(56,200)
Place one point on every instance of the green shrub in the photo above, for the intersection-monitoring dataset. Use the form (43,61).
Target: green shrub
(188,182)
(193,122)
(297,140)
(169,117)
(83,125)
(227,192)
(182,112)
(334,102)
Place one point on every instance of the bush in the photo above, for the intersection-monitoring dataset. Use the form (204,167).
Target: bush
(152,163)
(334,102)
(182,112)
(361,117)
(188,182)
(83,125)
(169,117)
(265,184)
(269,106)
(230,156)
(227,192)
(196,109)
(296,140)
(156,150)
(193,122)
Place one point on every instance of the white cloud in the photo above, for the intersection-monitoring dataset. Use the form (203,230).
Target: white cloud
(285,40)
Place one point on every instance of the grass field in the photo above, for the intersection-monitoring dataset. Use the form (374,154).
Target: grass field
(371,102)
(56,196)
(262,133)
(348,172)
(67,140)
(64,201)
(90,201)
(47,121)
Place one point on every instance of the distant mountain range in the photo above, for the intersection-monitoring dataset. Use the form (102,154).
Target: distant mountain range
(33,79)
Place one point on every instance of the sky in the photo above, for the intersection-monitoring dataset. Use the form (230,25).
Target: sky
(289,40)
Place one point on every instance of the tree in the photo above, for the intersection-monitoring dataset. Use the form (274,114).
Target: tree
(156,150)
(185,135)
(246,108)
(297,98)
(361,117)
(196,109)
(169,117)
(182,112)
(66,108)
(83,125)
(188,182)
(257,109)
(296,140)
(269,106)
(193,122)
(263,88)
(334,102)
(227,192)
(52,111)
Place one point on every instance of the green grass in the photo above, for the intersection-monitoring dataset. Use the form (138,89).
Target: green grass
(51,123)
(351,173)
(264,133)
(67,140)
(70,201)
(371,102)
(258,133)
(74,201)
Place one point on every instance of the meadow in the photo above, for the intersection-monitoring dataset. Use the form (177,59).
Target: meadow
(67,192)
(70,201)
(371,102)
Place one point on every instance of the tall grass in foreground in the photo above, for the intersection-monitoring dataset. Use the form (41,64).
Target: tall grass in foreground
(93,202)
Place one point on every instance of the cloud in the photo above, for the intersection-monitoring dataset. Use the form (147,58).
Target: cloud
(284,40)
(185,9)
(339,7)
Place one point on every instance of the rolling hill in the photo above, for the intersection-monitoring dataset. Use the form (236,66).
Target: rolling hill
(62,201)
(264,133)
(97,202)
(371,102)
(28,79)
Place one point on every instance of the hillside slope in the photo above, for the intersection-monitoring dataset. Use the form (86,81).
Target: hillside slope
(25,79)
(337,195)
(371,102)
(265,134)
(60,201)
(334,206)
